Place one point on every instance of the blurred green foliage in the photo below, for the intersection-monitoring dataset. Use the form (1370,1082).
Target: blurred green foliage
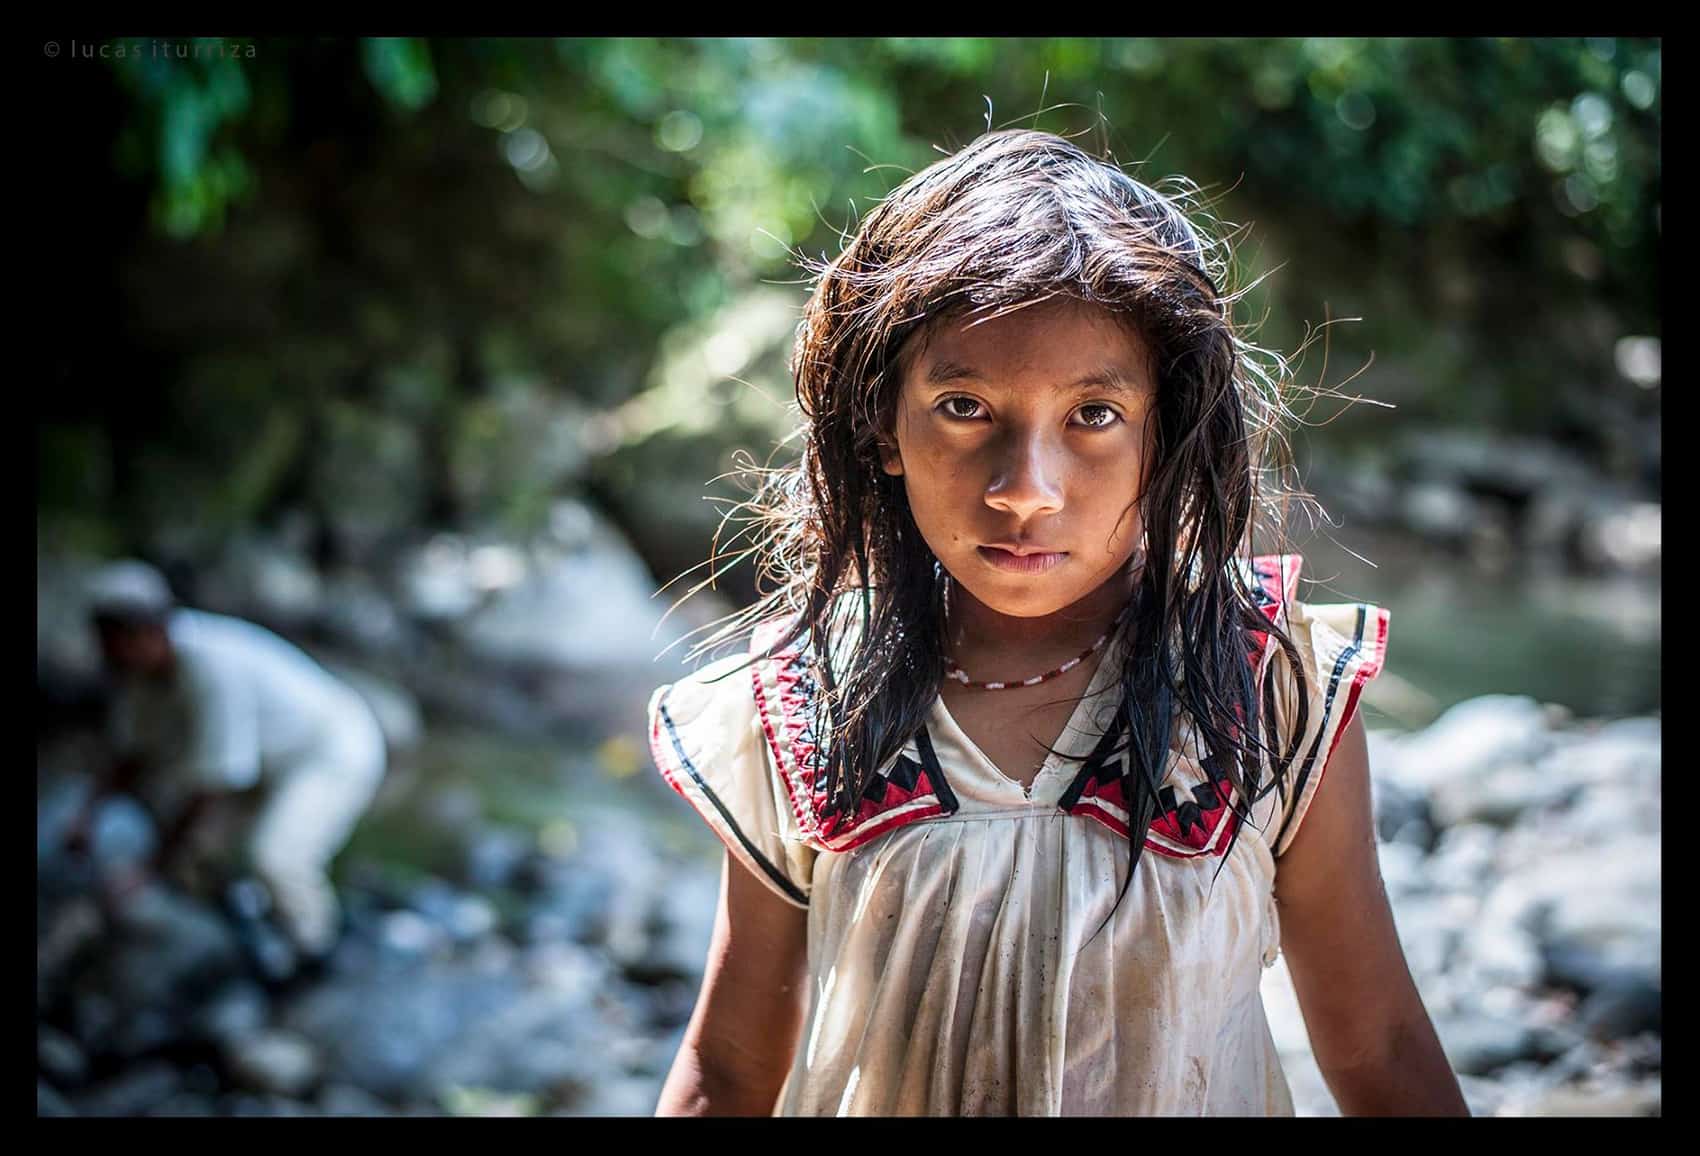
(394,281)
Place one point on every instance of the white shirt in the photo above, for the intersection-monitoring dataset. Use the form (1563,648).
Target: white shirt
(953,966)
(243,705)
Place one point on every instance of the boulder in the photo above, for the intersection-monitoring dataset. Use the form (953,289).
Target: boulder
(280,1062)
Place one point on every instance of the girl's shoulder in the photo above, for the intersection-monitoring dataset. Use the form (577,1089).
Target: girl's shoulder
(1326,629)
(1340,648)
(709,743)
(746,735)
(788,695)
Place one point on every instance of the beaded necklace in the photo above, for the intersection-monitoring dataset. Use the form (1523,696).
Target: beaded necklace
(953,671)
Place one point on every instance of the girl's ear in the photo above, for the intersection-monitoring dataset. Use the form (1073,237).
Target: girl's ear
(891,458)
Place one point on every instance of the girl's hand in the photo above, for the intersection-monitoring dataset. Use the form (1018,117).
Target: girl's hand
(1368,1028)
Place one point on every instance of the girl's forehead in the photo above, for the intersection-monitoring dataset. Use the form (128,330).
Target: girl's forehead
(1071,338)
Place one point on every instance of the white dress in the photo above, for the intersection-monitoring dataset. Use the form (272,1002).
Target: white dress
(953,965)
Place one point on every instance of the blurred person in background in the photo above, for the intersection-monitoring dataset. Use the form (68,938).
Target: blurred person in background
(212,710)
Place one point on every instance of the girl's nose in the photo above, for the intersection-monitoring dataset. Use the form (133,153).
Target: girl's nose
(1028,480)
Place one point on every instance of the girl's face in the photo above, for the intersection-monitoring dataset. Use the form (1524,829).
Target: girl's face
(1023,443)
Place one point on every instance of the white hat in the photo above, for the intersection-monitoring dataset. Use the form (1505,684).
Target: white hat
(129,591)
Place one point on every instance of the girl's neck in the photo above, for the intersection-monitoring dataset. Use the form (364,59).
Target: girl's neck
(974,629)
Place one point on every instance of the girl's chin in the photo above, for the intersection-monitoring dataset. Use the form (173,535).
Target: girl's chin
(1016,597)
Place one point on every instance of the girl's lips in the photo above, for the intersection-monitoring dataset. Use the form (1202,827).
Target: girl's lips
(1020,563)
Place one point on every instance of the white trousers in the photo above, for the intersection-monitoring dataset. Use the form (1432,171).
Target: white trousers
(309,813)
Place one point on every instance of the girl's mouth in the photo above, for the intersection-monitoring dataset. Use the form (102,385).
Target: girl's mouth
(1020,563)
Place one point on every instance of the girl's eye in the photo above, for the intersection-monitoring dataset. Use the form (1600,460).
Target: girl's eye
(962,407)
(1097,416)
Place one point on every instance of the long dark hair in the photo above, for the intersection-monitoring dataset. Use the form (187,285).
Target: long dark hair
(1013,219)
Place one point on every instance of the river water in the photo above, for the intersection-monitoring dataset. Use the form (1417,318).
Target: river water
(1590,644)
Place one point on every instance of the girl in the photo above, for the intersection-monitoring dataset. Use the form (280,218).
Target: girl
(1031,766)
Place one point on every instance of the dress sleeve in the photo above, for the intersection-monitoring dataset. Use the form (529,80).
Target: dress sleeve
(1342,646)
(706,736)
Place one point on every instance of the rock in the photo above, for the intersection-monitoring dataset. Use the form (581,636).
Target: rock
(72,929)
(461,917)
(135,1092)
(575,903)
(48,1102)
(1596,913)
(618,1096)
(1429,929)
(263,577)
(170,944)
(1477,1044)
(547,1038)
(186,1104)
(146,1029)
(568,969)
(236,1011)
(1502,954)
(472,919)
(1471,737)
(1364,490)
(409,934)
(166,952)
(672,1001)
(1643,1098)
(495,856)
(279,1062)
(123,834)
(1621,1008)
(349,1100)
(58,799)
(1417,834)
(1621,535)
(1593,967)
(1396,805)
(1505,464)
(1601,813)
(491,956)
(1440,510)
(1643,1054)
(1612,903)
(383,1036)
(94,1017)
(246,1104)
(357,614)
(58,1055)
(1622,756)
(1500,796)
(1483,1097)
(684,923)
(1464,858)
(588,607)
(435,582)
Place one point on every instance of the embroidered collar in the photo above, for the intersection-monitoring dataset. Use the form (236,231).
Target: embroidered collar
(1196,814)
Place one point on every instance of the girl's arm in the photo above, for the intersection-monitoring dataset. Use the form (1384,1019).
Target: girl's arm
(738,1046)
(1368,1028)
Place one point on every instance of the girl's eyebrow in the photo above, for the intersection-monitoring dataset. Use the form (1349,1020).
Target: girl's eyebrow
(943,372)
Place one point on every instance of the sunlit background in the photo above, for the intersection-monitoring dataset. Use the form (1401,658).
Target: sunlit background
(423,353)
